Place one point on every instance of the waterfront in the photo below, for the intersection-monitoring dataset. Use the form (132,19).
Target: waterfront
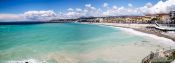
(76,43)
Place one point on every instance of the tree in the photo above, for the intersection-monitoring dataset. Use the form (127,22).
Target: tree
(152,20)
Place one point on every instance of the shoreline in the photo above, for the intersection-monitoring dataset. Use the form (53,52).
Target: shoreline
(140,28)
(137,27)
(110,53)
(157,34)
(143,30)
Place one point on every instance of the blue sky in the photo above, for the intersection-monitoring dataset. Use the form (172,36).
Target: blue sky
(21,10)
(20,6)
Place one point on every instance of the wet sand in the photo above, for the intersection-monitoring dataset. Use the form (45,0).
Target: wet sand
(142,28)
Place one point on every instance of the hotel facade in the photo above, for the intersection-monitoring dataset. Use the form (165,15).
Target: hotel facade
(162,18)
(172,17)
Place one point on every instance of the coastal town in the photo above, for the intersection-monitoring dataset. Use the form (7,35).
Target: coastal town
(162,18)
(159,24)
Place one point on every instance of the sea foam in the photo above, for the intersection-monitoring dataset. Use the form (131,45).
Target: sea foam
(135,32)
(24,61)
(161,39)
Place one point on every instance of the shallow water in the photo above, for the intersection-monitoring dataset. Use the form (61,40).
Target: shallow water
(73,43)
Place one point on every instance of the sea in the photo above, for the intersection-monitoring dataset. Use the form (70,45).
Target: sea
(76,43)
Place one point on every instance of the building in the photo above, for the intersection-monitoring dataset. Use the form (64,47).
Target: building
(99,19)
(124,19)
(151,16)
(91,19)
(163,17)
(172,17)
(86,19)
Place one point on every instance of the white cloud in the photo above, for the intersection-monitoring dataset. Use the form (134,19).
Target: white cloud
(11,17)
(78,9)
(130,5)
(114,7)
(149,5)
(120,11)
(88,10)
(70,9)
(149,8)
(87,5)
(40,15)
(29,15)
(105,5)
(71,14)
(91,11)
(160,7)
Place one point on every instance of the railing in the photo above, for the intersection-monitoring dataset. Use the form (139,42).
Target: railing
(164,24)
(168,25)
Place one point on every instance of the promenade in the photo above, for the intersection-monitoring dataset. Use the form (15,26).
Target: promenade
(146,28)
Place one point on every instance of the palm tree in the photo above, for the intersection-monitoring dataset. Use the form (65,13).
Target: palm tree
(173,20)
(153,20)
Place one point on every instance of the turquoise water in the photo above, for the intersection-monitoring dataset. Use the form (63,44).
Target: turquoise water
(45,41)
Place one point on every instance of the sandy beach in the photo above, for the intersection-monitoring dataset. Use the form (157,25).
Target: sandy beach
(142,28)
